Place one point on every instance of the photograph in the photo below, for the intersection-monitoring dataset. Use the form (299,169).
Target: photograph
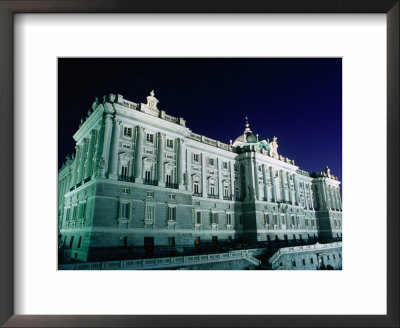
(199,163)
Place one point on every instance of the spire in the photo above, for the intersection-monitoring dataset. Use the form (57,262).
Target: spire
(247,129)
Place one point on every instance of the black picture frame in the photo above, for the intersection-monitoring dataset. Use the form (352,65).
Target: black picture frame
(10,7)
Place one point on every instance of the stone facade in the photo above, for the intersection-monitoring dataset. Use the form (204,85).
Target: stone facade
(140,178)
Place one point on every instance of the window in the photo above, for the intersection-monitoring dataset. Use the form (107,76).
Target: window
(283,219)
(198,218)
(147,175)
(79,242)
(293,222)
(334,257)
(228,218)
(171,241)
(197,203)
(150,194)
(74,212)
(237,193)
(68,213)
(293,263)
(266,219)
(328,257)
(196,187)
(149,212)
(197,240)
(171,213)
(171,196)
(150,137)
(225,165)
(168,179)
(125,190)
(304,262)
(275,219)
(124,171)
(211,161)
(212,187)
(170,143)
(124,210)
(311,260)
(127,132)
(226,190)
(214,218)
(240,218)
(195,157)
(71,242)
(306,222)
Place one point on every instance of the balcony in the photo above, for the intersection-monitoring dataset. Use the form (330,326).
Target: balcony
(171,185)
(227,198)
(212,196)
(196,194)
(87,179)
(125,178)
(150,182)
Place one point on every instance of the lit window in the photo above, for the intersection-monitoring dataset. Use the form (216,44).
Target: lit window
(124,210)
(127,132)
(149,212)
(171,213)
(170,143)
(150,137)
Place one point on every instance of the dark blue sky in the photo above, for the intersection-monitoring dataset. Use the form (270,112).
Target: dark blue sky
(298,100)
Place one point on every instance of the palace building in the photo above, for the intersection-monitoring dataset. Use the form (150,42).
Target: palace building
(141,179)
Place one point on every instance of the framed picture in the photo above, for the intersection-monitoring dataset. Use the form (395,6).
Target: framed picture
(47,66)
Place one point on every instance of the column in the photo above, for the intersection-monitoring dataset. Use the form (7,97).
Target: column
(189,170)
(325,197)
(282,181)
(82,160)
(75,167)
(113,171)
(160,159)
(97,152)
(106,145)
(220,188)
(273,186)
(339,198)
(89,160)
(203,176)
(257,184)
(267,195)
(291,189)
(231,164)
(296,189)
(305,196)
(311,196)
(180,162)
(139,154)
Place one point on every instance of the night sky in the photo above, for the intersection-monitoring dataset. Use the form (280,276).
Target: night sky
(298,100)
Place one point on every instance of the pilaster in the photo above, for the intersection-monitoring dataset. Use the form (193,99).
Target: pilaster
(89,159)
(113,171)
(160,159)
(106,145)
(139,154)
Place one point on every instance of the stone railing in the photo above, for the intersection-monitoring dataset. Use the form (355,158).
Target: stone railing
(171,119)
(167,262)
(306,248)
(302,172)
(208,141)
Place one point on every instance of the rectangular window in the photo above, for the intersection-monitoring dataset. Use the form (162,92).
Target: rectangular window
(124,171)
(74,212)
(306,222)
(228,219)
(198,217)
(171,196)
(197,240)
(124,210)
(293,222)
(214,218)
(149,212)
(150,194)
(171,241)
(212,189)
(304,262)
(196,187)
(225,165)
(147,175)
(211,161)
(68,213)
(240,218)
(283,219)
(311,260)
(226,191)
(275,219)
(171,213)
(71,242)
(125,190)
(195,157)
(79,242)
(127,132)
(150,137)
(170,143)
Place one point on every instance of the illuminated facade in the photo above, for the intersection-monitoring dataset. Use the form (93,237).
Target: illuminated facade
(141,179)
